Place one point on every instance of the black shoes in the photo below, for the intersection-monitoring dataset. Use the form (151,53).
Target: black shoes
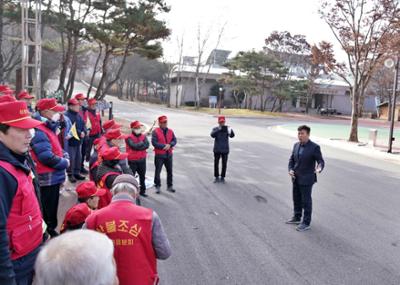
(71,179)
(303,227)
(79,177)
(171,189)
(219,180)
(84,171)
(144,194)
(294,221)
(158,190)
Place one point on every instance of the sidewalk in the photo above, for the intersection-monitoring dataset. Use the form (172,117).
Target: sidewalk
(359,148)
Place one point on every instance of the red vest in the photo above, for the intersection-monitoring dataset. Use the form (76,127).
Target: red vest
(136,154)
(24,222)
(105,200)
(55,148)
(83,114)
(163,140)
(95,121)
(130,228)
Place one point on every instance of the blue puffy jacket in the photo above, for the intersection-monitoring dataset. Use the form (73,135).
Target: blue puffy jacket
(41,146)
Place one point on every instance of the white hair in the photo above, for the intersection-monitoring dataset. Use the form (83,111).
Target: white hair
(79,257)
(124,187)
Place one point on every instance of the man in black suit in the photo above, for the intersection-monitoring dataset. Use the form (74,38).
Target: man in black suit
(304,164)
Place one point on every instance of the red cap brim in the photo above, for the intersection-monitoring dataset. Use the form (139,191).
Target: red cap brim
(27,97)
(58,108)
(26,123)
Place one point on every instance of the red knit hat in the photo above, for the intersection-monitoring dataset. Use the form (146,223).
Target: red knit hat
(75,216)
(24,95)
(114,134)
(136,125)
(110,124)
(113,153)
(88,189)
(16,114)
(49,104)
(7,98)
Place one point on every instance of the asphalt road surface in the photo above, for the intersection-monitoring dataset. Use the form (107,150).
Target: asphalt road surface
(236,233)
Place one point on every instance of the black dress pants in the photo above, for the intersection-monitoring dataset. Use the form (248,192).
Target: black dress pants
(49,196)
(159,162)
(302,202)
(139,167)
(217,157)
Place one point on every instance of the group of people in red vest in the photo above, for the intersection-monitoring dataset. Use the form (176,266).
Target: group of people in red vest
(36,154)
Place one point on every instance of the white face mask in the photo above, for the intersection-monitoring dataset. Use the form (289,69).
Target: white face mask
(56,117)
(137,131)
(32,132)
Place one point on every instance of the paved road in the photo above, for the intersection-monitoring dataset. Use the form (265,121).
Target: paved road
(235,233)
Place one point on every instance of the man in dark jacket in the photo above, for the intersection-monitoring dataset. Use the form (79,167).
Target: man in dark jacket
(78,132)
(136,148)
(83,112)
(221,135)
(163,139)
(304,164)
(51,160)
(19,196)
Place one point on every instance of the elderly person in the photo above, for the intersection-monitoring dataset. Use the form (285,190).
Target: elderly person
(137,233)
(78,257)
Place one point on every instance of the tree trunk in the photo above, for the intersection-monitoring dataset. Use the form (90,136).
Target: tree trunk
(273,104)
(95,70)
(354,117)
(65,62)
(74,65)
(99,93)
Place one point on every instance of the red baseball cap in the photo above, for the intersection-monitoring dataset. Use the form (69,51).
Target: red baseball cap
(88,189)
(73,102)
(114,134)
(24,95)
(4,88)
(221,119)
(162,119)
(113,153)
(49,104)
(16,114)
(92,101)
(80,96)
(110,124)
(7,98)
(76,216)
(136,125)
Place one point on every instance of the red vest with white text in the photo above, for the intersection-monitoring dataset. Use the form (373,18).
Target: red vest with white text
(163,140)
(55,148)
(136,154)
(130,228)
(24,222)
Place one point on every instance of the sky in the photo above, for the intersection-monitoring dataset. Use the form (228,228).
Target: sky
(247,23)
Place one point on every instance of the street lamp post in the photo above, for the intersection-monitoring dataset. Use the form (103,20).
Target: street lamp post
(220,99)
(393,111)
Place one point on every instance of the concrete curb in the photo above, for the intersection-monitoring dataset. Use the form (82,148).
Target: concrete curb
(359,148)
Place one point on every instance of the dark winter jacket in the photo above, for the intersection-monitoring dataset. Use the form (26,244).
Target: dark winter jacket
(221,137)
(76,119)
(8,189)
(41,146)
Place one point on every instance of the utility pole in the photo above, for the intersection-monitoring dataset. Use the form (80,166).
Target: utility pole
(31,21)
(395,84)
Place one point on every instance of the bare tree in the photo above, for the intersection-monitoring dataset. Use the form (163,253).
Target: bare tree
(363,28)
